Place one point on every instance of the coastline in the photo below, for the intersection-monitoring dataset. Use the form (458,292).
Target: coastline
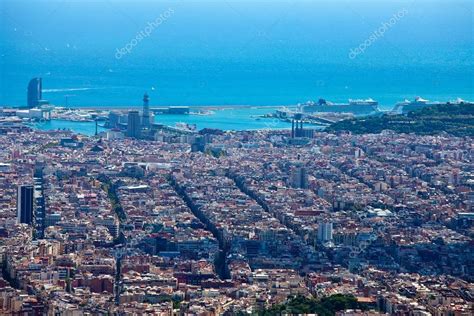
(229,118)
(197,107)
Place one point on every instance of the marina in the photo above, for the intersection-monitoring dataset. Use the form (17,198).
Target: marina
(190,119)
(146,121)
(221,118)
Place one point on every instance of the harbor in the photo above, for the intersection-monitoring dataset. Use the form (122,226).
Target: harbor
(225,118)
(145,121)
(187,119)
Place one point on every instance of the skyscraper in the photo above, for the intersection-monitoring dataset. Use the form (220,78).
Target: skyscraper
(325,232)
(25,204)
(299,177)
(133,126)
(146,111)
(34,92)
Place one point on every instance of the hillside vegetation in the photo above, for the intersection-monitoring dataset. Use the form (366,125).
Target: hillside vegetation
(454,119)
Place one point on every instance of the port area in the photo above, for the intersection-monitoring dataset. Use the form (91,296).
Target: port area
(320,118)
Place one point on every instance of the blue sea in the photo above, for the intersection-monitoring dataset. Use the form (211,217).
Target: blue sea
(244,52)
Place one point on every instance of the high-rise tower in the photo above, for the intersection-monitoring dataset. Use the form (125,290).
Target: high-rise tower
(299,177)
(325,232)
(146,112)
(133,126)
(25,204)
(34,92)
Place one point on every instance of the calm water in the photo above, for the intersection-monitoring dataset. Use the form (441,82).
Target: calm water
(225,119)
(235,52)
(86,128)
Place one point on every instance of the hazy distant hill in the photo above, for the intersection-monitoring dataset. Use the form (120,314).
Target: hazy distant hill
(456,120)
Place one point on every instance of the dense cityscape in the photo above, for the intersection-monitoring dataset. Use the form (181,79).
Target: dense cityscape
(234,222)
(231,158)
